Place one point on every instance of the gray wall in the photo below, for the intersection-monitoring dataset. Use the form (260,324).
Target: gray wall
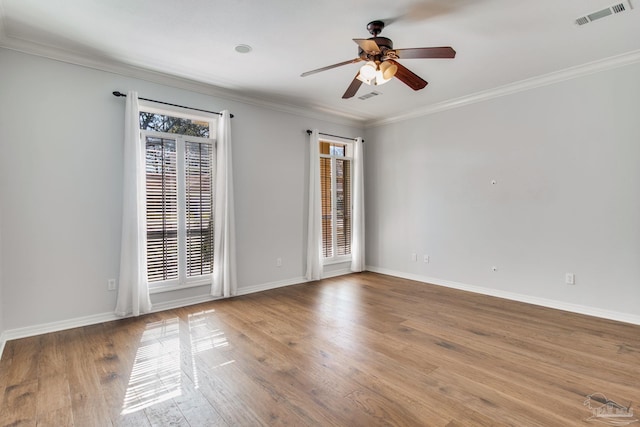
(1,299)
(565,158)
(60,187)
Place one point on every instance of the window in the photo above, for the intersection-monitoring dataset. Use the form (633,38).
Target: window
(180,171)
(335,192)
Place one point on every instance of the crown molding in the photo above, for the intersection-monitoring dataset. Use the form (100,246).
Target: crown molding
(520,86)
(309,111)
(113,66)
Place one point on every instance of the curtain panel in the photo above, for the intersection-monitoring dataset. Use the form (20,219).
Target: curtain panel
(314,227)
(133,290)
(357,238)
(224,257)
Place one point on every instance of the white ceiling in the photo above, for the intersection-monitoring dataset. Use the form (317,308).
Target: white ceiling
(498,42)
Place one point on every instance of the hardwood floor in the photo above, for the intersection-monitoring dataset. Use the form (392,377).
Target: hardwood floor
(358,350)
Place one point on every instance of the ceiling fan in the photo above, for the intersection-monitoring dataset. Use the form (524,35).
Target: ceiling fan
(382,64)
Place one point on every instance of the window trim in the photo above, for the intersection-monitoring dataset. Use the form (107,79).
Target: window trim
(183,113)
(336,259)
(183,281)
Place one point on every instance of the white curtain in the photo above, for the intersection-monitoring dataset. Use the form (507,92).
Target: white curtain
(133,291)
(357,238)
(224,256)
(314,227)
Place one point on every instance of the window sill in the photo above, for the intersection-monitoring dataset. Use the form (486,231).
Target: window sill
(336,260)
(177,287)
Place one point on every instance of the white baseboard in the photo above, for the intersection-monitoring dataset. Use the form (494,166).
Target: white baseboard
(183,302)
(45,328)
(336,273)
(289,282)
(106,317)
(559,305)
(3,341)
(78,322)
(271,285)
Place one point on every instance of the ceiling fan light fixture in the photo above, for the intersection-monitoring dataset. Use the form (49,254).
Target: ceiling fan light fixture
(368,71)
(388,70)
(365,80)
(380,80)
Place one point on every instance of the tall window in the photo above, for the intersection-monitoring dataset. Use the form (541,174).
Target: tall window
(335,189)
(180,171)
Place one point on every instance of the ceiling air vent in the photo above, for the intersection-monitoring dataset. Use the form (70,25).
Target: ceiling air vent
(611,10)
(369,95)
(582,20)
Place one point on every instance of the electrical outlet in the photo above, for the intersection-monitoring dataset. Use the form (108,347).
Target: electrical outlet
(111,284)
(570,279)
(414,257)
(426,259)
(278,262)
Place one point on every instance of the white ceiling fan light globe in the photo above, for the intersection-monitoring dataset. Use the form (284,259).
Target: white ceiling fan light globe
(363,79)
(368,70)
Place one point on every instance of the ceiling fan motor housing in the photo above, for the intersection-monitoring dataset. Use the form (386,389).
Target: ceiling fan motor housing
(383,43)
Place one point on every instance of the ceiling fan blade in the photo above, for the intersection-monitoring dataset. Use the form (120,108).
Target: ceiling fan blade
(353,87)
(426,52)
(369,46)
(408,77)
(328,67)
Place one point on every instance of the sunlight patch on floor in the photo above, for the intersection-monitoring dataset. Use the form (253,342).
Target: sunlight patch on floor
(157,371)
(203,335)
(155,376)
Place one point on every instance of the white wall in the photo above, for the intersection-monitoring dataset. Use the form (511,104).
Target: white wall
(60,181)
(1,299)
(566,159)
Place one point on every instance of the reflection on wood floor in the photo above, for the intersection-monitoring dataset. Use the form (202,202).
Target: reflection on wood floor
(357,350)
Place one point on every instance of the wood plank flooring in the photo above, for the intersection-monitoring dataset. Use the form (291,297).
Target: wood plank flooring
(357,350)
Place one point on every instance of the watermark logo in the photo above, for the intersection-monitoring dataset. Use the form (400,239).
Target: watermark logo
(608,412)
